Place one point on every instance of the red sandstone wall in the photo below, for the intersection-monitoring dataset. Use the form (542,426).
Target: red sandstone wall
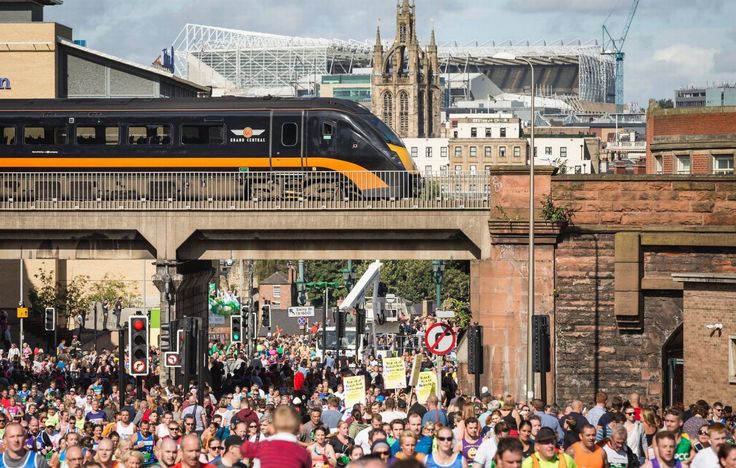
(648,201)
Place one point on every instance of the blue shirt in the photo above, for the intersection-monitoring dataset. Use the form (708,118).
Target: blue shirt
(595,414)
(424,445)
(550,421)
(435,416)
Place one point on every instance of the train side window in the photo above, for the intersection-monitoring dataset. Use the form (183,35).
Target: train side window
(149,135)
(7,135)
(46,135)
(98,135)
(328,130)
(289,134)
(202,134)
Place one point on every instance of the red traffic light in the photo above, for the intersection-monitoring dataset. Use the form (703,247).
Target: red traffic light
(138,325)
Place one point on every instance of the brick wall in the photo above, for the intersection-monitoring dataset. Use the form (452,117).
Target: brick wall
(648,201)
(592,354)
(704,121)
(707,304)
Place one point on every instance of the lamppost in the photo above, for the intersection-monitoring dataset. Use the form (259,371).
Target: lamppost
(348,276)
(530,280)
(438,271)
(324,286)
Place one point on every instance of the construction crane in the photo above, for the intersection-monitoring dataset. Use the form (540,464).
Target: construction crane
(615,47)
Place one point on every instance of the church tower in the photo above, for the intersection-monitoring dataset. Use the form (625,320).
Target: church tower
(405,88)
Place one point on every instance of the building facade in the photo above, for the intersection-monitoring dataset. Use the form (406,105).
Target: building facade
(430,155)
(691,140)
(406,91)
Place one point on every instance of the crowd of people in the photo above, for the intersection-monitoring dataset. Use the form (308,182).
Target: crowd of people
(282,407)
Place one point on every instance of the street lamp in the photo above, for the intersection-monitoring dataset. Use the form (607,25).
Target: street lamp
(438,270)
(348,276)
(530,280)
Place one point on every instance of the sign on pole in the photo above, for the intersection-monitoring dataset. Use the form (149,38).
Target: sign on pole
(394,373)
(172,359)
(416,368)
(307,311)
(439,339)
(22,312)
(425,386)
(354,390)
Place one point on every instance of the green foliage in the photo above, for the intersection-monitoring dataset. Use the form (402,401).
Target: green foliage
(67,298)
(554,213)
(109,289)
(665,104)
(462,311)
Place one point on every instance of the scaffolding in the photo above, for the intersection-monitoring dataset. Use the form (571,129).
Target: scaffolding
(252,63)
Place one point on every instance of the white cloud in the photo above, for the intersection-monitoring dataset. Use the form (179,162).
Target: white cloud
(688,59)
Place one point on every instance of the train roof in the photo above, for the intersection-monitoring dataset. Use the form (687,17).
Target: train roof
(176,104)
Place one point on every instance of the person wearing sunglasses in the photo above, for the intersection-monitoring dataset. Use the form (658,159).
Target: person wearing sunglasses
(703,441)
(213,452)
(445,456)
(636,438)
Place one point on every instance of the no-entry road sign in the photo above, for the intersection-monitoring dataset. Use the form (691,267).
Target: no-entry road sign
(440,339)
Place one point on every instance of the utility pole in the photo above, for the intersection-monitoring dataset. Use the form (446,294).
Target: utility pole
(20,301)
(250,320)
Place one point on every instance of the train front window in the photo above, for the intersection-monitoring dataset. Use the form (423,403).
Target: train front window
(46,135)
(384,130)
(7,135)
(149,135)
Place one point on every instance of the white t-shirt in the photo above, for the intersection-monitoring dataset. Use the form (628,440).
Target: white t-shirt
(123,430)
(388,416)
(361,438)
(706,458)
(486,453)
(162,430)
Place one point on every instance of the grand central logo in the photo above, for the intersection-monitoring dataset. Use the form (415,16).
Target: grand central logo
(4,83)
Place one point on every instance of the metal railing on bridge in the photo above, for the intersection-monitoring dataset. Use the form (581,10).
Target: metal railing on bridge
(244,191)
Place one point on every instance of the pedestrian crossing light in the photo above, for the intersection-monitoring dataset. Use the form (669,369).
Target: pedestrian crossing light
(138,345)
(266,315)
(49,319)
(236,328)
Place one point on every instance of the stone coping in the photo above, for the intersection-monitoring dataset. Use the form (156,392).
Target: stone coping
(705,277)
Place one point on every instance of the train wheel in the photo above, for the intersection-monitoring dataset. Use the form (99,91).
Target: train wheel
(323,191)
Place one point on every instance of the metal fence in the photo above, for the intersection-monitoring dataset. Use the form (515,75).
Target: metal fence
(244,191)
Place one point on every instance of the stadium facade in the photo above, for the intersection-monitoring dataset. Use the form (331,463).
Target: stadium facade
(252,63)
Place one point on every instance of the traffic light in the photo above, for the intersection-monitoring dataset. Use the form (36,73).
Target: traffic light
(49,319)
(475,349)
(138,345)
(540,343)
(340,323)
(236,328)
(266,315)
(360,322)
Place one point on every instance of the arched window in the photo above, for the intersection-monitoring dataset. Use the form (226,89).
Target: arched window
(403,113)
(388,109)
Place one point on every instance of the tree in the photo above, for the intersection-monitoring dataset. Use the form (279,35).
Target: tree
(665,104)
(68,299)
(109,289)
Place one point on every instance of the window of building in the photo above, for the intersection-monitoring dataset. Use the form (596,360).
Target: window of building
(473,169)
(517,151)
(276,290)
(97,135)
(723,165)
(443,152)
(414,151)
(501,151)
(428,152)
(473,151)
(215,134)
(473,132)
(289,134)
(7,135)
(487,151)
(453,123)
(149,135)
(488,133)
(457,188)
(458,169)
(658,167)
(683,164)
(46,135)
(454,134)
(563,151)
(503,132)
(732,359)
(548,150)
(428,170)
(458,151)
(403,113)
(487,169)
(443,169)
(388,109)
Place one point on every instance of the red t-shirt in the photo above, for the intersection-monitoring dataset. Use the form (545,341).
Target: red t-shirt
(201,465)
(280,450)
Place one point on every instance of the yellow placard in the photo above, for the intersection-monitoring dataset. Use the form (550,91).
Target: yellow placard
(22,312)
(394,373)
(354,390)
(425,386)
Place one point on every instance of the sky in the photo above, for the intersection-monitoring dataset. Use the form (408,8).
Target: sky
(671,43)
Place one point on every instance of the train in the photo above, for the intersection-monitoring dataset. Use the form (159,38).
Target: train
(260,138)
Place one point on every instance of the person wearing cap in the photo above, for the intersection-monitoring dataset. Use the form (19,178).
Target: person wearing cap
(546,454)
(231,456)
